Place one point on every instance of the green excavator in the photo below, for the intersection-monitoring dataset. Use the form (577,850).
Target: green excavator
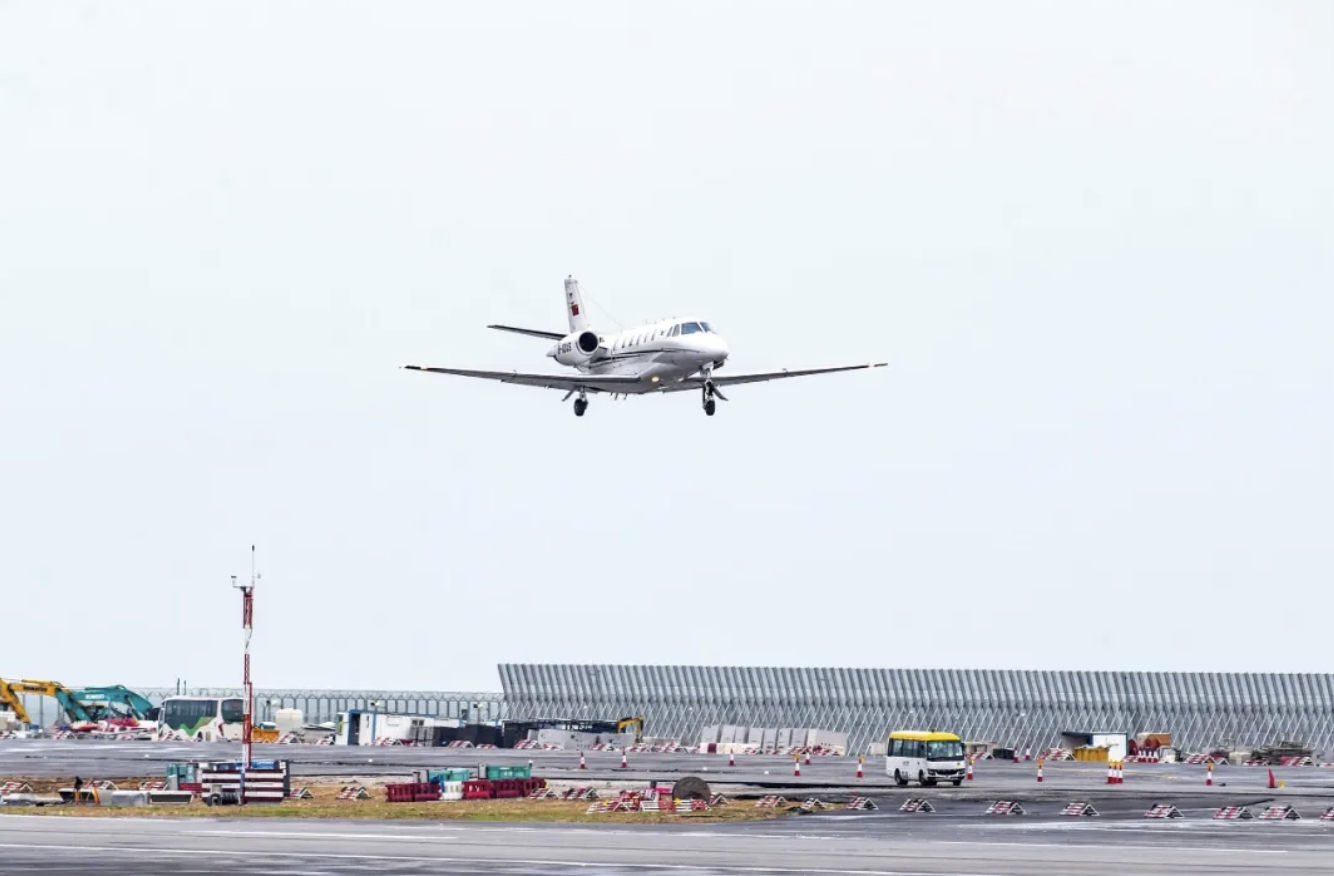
(115,702)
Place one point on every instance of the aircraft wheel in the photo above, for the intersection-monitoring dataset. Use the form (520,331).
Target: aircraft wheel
(710,406)
(580,405)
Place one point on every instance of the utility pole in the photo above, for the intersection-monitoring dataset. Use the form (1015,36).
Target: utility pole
(248,703)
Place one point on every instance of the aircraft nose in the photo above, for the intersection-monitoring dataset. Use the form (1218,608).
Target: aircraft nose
(719,347)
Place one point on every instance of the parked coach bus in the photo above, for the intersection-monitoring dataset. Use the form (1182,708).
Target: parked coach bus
(209,719)
(926,758)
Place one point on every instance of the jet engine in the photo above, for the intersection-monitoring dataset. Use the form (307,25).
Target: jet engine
(578,348)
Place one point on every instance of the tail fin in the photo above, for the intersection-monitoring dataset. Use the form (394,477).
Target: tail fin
(574,305)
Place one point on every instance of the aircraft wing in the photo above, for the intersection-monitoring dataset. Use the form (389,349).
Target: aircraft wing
(534,333)
(696,381)
(567,382)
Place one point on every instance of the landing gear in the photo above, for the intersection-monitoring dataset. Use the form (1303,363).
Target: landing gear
(709,391)
(580,405)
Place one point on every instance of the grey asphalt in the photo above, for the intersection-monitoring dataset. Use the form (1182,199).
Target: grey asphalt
(35,758)
(888,844)
(829,778)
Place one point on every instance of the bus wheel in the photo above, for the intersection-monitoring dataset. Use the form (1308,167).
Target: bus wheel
(957,782)
(899,779)
(921,778)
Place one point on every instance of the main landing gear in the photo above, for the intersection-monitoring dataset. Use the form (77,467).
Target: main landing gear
(580,405)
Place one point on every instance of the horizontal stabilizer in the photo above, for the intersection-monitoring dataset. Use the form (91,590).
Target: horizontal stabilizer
(551,336)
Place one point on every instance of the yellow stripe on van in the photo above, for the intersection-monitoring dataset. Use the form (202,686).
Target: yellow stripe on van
(920,736)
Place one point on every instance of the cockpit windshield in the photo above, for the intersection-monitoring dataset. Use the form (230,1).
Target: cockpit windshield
(690,328)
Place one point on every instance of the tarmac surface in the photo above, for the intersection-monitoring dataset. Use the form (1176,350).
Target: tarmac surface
(833,844)
(757,774)
(957,839)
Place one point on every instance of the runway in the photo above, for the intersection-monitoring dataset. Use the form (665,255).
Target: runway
(36,758)
(831,845)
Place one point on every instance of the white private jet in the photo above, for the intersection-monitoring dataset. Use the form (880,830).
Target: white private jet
(674,355)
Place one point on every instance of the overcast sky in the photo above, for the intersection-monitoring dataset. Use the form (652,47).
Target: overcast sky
(1093,241)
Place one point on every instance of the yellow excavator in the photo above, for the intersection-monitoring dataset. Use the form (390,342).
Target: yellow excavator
(637,722)
(9,698)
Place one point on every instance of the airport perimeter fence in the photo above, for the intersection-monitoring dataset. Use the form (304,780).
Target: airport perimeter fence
(1200,710)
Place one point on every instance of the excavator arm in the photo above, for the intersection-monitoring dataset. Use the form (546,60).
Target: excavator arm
(115,701)
(9,699)
(636,722)
(53,689)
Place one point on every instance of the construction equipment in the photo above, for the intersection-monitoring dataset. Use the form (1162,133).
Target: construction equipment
(9,696)
(636,722)
(1273,755)
(115,702)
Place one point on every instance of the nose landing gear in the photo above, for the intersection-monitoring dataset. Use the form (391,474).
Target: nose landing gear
(710,391)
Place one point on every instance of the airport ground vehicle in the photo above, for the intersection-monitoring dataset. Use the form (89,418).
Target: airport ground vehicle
(924,757)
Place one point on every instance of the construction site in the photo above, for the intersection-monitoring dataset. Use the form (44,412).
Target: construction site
(443,767)
(1272,719)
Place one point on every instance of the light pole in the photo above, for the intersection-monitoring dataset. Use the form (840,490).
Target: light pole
(248,701)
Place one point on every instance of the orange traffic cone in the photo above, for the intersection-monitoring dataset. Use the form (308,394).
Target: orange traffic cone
(1209,780)
(969,773)
(1039,769)
(624,763)
(1272,784)
(582,765)
(796,766)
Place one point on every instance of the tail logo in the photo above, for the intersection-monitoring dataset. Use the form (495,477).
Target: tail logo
(574,309)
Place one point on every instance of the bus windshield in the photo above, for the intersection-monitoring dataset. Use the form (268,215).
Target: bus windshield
(944,750)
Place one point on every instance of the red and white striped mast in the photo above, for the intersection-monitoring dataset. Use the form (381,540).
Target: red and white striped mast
(247,624)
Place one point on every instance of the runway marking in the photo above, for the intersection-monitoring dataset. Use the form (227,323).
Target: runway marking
(300,835)
(535,862)
(1165,847)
